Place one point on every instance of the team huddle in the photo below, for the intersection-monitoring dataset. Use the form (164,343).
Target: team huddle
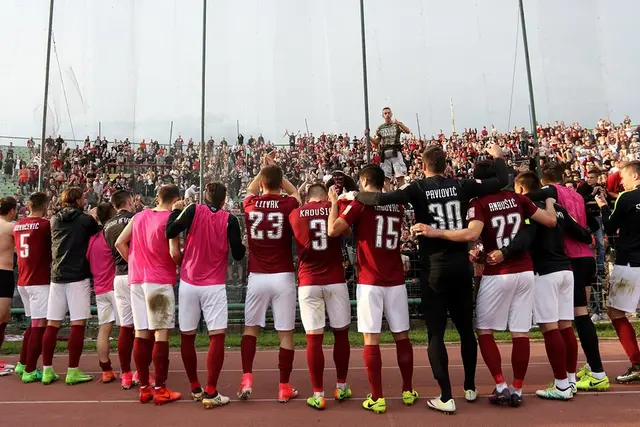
(532,244)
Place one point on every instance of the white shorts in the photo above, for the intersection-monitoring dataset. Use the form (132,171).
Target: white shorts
(122,295)
(74,297)
(393,165)
(153,306)
(624,288)
(373,301)
(35,300)
(315,299)
(506,300)
(106,304)
(553,295)
(277,289)
(211,300)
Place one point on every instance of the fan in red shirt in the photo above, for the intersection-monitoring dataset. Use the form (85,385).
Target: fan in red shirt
(505,297)
(381,287)
(271,274)
(322,287)
(33,246)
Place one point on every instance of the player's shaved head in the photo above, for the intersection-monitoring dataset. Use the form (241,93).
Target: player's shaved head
(120,198)
(215,194)
(317,191)
(528,180)
(105,212)
(168,193)
(271,177)
(484,169)
(38,202)
(434,160)
(372,175)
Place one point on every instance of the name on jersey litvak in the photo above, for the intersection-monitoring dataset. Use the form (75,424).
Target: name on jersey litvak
(314,212)
(267,204)
(502,205)
(27,226)
(441,193)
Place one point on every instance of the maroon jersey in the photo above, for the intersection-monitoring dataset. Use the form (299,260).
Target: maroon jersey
(503,215)
(319,256)
(378,230)
(269,233)
(33,245)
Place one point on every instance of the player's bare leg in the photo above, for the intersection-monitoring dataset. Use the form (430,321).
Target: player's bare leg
(248,353)
(103,346)
(5,318)
(404,354)
(373,361)
(215,359)
(557,354)
(627,337)
(190,361)
(286,353)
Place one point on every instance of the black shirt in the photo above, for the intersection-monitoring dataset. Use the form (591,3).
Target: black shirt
(112,230)
(442,203)
(71,230)
(180,221)
(625,219)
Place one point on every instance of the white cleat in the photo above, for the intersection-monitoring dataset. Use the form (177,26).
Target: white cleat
(471,395)
(436,404)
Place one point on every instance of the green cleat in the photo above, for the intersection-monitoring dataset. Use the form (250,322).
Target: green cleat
(409,397)
(49,376)
(317,402)
(76,376)
(378,406)
(19,369)
(342,394)
(589,383)
(32,377)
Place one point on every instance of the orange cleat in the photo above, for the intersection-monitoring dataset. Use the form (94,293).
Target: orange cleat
(286,392)
(146,394)
(163,395)
(108,376)
(126,380)
(245,386)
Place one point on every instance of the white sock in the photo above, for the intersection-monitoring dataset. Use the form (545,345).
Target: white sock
(598,375)
(500,387)
(45,367)
(571,378)
(341,386)
(518,391)
(562,384)
(318,394)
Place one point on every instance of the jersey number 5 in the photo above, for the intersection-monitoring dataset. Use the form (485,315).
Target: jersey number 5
(275,219)
(24,246)
(388,236)
(500,222)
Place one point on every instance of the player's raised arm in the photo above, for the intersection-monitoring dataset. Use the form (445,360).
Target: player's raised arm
(291,190)
(180,219)
(546,217)
(337,224)
(477,188)
(174,250)
(122,244)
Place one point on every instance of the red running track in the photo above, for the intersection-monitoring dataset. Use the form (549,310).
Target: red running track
(96,404)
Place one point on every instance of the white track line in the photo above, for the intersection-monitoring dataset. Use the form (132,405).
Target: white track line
(356,368)
(75,402)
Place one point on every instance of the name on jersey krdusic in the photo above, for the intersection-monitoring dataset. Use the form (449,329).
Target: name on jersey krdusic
(502,205)
(267,204)
(314,212)
(388,208)
(27,226)
(440,193)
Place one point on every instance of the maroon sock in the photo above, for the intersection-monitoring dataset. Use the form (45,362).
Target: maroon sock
(247,352)
(627,336)
(341,354)
(142,357)
(25,345)
(373,363)
(105,366)
(491,356)
(190,359)
(161,362)
(285,364)
(520,352)
(75,345)
(49,345)
(315,361)
(571,348)
(125,347)
(404,352)
(557,353)
(3,326)
(35,348)
(215,360)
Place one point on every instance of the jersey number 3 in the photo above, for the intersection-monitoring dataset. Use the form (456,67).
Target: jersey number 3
(319,239)
(274,219)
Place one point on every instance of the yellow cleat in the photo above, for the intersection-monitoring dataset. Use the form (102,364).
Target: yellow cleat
(378,406)
(409,397)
